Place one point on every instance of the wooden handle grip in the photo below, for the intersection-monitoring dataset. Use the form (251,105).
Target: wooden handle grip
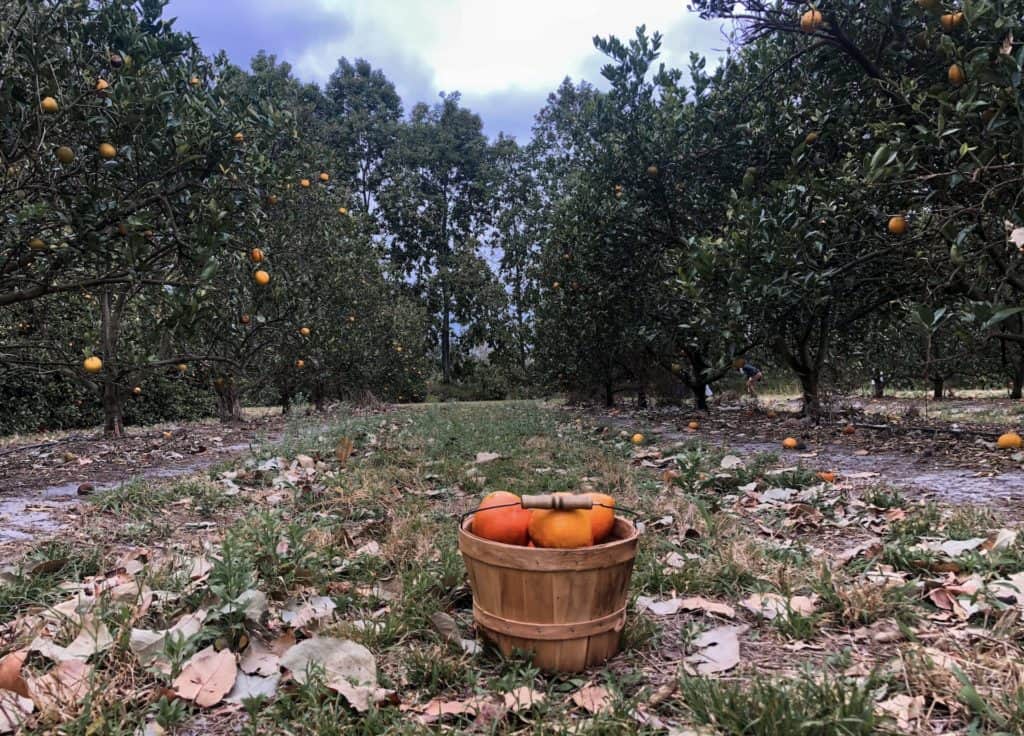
(561,501)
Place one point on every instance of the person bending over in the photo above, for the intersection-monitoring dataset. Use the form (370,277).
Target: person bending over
(753,375)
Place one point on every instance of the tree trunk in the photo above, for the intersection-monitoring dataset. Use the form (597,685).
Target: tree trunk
(878,385)
(113,415)
(113,419)
(229,403)
(809,394)
(700,396)
(609,395)
(641,397)
(937,386)
(446,357)
(319,394)
(285,399)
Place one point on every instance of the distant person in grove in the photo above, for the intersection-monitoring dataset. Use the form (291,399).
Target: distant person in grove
(753,375)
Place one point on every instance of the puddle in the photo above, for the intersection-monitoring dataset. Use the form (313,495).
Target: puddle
(27,516)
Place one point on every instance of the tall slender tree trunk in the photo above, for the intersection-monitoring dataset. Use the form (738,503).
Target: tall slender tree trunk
(809,384)
(641,396)
(700,395)
(938,383)
(113,413)
(446,346)
(1017,381)
(609,395)
(878,385)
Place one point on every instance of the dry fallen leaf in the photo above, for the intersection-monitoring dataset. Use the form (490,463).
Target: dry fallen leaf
(718,650)
(62,688)
(691,603)
(207,677)
(258,659)
(904,708)
(439,708)
(13,709)
(349,668)
(772,605)
(298,614)
(593,698)
(253,686)
(522,698)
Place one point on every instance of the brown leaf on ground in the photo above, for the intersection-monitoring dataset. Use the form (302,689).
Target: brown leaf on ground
(10,673)
(207,677)
(283,643)
(772,605)
(258,659)
(593,698)
(485,457)
(439,709)
(522,699)
(61,689)
(904,708)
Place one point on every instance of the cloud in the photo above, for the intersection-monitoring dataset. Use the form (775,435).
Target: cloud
(503,57)
(244,28)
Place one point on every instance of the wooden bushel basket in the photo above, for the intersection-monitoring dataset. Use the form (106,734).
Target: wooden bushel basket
(567,606)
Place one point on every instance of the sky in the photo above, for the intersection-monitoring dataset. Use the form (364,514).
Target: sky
(504,57)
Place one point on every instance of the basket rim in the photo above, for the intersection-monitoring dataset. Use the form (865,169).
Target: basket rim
(631,538)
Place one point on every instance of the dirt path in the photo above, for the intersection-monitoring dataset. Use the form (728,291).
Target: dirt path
(946,468)
(41,481)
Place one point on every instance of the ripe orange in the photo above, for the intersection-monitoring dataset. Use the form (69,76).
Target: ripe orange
(182,367)
(271,199)
(897,225)
(602,519)
(811,20)
(695,425)
(48,104)
(811,137)
(342,211)
(194,81)
(137,390)
(790,443)
(637,439)
(955,75)
(304,183)
(107,151)
(101,84)
(652,170)
(92,364)
(304,331)
(556,285)
(300,364)
(561,529)
(238,137)
(827,476)
(507,525)
(261,277)
(849,429)
(1009,441)
(65,155)
(37,244)
(256,255)
(949,21)
(324,176)
(245,319)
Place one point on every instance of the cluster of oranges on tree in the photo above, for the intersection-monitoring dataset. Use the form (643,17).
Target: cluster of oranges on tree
(500,517)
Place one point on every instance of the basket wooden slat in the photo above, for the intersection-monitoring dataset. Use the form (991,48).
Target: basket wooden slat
(567,606)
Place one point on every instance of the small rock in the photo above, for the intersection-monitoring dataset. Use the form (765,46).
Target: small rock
(85,489)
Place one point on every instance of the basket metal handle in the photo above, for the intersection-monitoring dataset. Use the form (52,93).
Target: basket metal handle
(561,501)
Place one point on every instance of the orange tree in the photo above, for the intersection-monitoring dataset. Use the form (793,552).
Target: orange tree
(110,145)
(916,157)
(636,281)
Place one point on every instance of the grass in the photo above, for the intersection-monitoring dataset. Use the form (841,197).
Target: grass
(398,500)
(810,704)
